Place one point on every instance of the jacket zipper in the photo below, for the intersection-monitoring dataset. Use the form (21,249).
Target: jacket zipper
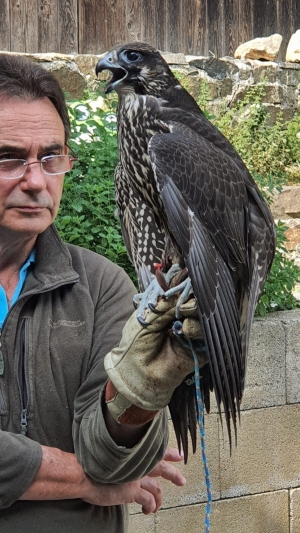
(1,358)
(22,378)
(30,293)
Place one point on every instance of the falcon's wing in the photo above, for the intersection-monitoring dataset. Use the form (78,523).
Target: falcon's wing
(206,204)
(144,241)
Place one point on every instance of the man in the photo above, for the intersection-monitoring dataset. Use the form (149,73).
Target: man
(73,447)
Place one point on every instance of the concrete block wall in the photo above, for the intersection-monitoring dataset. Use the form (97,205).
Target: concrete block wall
(257,489)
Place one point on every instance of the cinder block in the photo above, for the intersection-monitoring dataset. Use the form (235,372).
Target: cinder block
(295,510)
(267,456)
(293,357)
(195,489)
(262,513)
(140,523)
(265,375)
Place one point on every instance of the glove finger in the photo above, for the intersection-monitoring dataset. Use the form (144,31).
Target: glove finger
(189,308)
(192,328)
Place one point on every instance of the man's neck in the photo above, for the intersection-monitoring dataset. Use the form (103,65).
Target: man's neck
(12,257)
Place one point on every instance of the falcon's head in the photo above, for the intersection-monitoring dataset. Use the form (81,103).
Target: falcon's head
(138,68)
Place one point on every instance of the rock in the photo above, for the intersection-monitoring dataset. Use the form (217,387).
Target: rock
(225,87)
(239,94)
(292,234)
(287,203)
(293,49)
(48,57)
(285,113)
(87,63)
(68,76)
(215,68)
(174,59)
(194,86)
(263,71)
(261,48)
(289,76)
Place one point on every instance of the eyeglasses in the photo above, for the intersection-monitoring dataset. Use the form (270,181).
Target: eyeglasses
(51,165)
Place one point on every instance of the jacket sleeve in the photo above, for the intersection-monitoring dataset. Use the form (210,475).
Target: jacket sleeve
(20,460)
(98,454)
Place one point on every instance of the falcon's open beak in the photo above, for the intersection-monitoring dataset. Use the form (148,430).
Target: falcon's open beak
(110,62)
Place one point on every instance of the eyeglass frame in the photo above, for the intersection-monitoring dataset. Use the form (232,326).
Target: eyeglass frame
(73,157)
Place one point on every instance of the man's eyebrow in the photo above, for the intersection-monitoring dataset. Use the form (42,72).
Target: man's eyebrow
(11,148)
(51,147)
(22,152)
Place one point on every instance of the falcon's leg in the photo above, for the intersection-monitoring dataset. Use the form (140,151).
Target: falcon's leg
(186,288)
(149,298)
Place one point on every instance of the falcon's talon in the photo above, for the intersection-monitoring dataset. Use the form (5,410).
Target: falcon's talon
(142,321)
(135,303)
(136,300)
(153,309)
(186,288)
(149,298)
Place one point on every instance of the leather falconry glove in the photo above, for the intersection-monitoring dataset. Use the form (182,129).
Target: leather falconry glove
(149,363)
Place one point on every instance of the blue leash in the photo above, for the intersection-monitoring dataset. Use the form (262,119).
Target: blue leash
(202,443)
(177,329)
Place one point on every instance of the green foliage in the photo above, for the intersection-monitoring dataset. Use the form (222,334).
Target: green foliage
(263,148)
(277,294)
(293,138)
(87,212)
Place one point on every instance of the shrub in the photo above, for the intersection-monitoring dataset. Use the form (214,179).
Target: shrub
(278,289)
(293,138)
(87,212)
(263,148)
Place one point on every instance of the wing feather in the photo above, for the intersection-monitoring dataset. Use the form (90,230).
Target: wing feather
(212,282)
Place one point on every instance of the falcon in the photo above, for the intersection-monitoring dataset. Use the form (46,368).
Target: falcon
(185,196)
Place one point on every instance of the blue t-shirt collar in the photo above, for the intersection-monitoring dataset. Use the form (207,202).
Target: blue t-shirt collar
(22,277)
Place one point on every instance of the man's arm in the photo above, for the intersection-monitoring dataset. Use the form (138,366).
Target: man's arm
(60,477)
(123,434)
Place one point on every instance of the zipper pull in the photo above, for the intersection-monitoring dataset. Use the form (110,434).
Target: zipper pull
(24,421)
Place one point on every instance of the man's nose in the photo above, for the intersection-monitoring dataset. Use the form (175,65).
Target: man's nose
(34,177)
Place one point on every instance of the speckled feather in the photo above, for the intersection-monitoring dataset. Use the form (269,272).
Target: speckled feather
(183,191)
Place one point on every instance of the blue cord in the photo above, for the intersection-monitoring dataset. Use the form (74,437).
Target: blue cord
(177,329)
(202,443)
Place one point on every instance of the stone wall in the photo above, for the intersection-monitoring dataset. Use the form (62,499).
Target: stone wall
(257,489)
(226,80)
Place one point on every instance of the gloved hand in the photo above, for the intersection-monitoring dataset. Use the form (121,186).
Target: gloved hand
(149,362)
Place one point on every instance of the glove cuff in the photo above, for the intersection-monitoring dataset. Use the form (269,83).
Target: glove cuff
(123,411)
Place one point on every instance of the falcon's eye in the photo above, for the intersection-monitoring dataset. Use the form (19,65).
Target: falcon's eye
(132,56)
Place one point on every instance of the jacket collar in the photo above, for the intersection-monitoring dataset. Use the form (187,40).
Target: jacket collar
(53,264)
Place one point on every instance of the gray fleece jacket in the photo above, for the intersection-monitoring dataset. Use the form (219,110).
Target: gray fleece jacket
(69,315)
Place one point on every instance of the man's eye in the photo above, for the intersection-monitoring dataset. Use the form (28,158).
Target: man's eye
(46,156)
(7,156)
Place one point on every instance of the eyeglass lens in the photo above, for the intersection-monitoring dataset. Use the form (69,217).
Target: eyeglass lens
(16,168)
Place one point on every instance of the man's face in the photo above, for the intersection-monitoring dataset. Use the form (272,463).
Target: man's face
(29,130)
